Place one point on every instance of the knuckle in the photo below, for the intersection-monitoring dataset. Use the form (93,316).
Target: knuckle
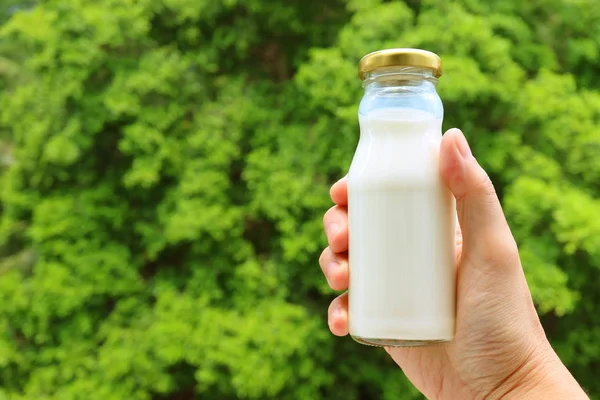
(331,192)
(500,254)
(333,305)
(324,256)
(485,185)
(328,215)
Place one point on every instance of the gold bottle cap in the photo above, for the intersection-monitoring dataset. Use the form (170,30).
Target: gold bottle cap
(400,58)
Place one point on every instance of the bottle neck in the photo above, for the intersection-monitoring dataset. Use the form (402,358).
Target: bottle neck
(401,87)
(400,77)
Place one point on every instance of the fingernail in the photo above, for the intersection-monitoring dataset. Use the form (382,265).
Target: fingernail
(463,145)
(331,231)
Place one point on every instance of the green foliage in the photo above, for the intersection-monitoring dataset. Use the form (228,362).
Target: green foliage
(166,163)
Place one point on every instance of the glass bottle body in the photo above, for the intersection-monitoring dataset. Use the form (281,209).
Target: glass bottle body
(401,215)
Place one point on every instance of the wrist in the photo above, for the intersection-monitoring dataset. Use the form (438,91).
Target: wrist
(542,377)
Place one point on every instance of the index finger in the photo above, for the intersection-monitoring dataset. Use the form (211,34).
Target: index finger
(339,192)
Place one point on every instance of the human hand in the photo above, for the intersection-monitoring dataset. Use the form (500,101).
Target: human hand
(500,349)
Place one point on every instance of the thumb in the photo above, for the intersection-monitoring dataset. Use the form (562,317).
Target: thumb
(486,235)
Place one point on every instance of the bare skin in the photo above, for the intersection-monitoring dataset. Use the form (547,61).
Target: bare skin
(500,350)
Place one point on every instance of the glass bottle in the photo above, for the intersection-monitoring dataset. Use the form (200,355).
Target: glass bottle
(401,215)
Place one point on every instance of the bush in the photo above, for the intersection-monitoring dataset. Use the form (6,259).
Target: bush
(166,166)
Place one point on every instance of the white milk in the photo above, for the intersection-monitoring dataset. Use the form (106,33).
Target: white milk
(402,224)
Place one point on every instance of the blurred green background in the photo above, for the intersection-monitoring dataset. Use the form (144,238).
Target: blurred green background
(165,164)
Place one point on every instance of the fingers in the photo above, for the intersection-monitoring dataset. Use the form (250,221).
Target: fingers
(335,222)
(338,315)
(334,259)
(339,192)
(484,228)
(335,268)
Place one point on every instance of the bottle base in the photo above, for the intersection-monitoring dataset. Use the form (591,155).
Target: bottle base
(398,342)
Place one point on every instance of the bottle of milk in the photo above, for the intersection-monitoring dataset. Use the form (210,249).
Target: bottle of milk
(401,215)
